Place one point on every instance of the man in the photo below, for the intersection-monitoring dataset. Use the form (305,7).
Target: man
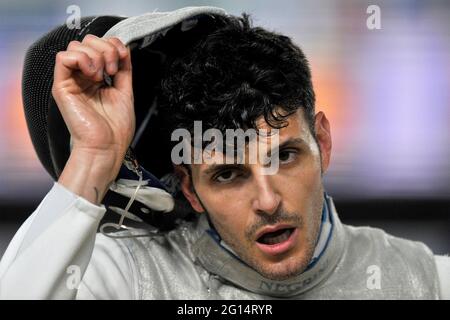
(256,235)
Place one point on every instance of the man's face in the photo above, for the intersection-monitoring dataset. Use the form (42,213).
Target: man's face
(270,221)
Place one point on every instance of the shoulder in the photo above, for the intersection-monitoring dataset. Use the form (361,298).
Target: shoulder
(179,239)
(443,268)
(154,246)
(375,244)
(154,260)
(408,267)
(375,238)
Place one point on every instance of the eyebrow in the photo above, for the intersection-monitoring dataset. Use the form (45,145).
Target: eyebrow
(223,166)
(291,141)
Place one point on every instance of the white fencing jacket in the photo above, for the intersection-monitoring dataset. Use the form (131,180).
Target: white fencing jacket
(58,254)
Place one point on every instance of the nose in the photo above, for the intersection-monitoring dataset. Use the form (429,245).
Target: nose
(266,200)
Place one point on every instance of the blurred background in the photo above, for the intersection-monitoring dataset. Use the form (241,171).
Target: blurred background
(385,91)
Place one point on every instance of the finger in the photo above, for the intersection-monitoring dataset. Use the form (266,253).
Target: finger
(123,51)
(96,57)
(109,51)
(68,62)
(123,80)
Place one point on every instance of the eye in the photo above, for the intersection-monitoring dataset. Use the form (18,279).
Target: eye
(287,155)
(225,176)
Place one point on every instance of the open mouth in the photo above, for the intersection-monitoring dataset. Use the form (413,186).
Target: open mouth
(275,237)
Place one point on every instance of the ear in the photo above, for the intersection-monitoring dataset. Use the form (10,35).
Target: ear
(187,187)
(323,137)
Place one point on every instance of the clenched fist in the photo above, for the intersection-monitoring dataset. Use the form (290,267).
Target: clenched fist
(100,118)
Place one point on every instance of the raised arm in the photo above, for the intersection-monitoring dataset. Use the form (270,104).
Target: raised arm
(52,249)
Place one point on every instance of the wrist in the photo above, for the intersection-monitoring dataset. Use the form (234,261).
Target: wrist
(89,174)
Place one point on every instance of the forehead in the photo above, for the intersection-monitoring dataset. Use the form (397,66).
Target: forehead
(296,125)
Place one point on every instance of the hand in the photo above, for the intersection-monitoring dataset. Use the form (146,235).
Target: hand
(99,118)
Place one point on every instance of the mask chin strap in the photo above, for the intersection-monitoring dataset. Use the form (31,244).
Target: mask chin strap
(123,214)
(131,163)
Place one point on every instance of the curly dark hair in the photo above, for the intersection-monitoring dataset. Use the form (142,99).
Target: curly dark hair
(236,74)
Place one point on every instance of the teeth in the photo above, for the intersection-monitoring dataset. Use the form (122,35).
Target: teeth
(267,239)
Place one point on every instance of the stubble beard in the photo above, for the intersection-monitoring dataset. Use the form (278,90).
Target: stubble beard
(293,268)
